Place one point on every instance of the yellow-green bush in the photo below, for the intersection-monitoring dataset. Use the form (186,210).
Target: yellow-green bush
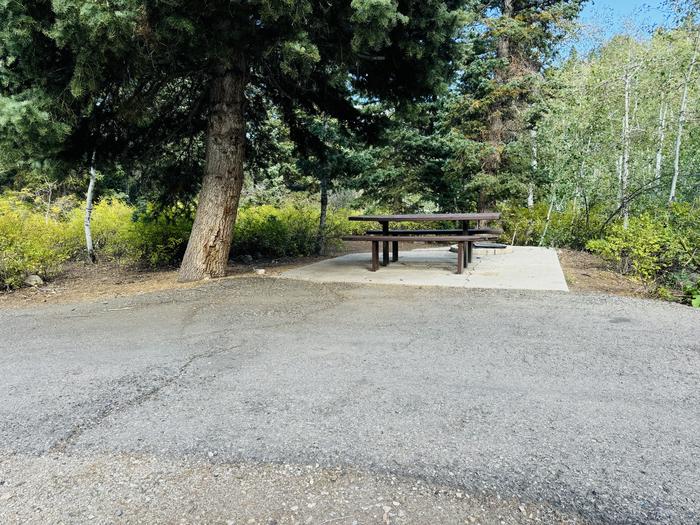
(122,233)
(30,243)
(114,231)
(33,242)
(287,231)
(645,248)
(662,248)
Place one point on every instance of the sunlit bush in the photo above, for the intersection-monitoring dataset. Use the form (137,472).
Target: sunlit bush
(113,231)
(33,241)
(645,248)
(288,231)
(128,235)
(30,243)
(663,248)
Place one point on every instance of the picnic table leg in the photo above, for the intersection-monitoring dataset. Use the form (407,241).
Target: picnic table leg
(375,256)
(395,248)
(465,231)
(385,250)
(470,251)
(460,256)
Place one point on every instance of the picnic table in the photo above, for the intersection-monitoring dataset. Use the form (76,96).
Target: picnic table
(463,236)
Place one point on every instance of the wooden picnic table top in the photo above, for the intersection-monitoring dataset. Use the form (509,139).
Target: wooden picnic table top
(425,217)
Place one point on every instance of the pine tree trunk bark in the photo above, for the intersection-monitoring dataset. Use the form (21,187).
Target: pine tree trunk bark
(618,168)
(210,241)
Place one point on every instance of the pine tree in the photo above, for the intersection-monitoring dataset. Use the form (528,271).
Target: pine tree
(501,81)
(142,78)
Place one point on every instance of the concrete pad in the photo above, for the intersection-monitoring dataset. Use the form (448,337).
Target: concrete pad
(522,268)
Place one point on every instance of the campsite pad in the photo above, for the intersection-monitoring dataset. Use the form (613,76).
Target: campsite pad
(516,268)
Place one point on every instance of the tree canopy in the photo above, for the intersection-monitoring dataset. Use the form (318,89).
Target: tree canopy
(154,83)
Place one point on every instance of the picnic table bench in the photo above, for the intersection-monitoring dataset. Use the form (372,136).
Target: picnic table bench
(464,237)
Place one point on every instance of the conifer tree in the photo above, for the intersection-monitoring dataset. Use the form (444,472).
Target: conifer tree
(140,78)
(502,74)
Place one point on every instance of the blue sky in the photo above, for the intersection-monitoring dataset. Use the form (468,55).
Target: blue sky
(605,18)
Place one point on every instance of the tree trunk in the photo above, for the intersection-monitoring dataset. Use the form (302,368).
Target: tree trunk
(321,244)
(533,166)
(662,136)
(549,216)
(681,119)
(618,168)
(49,188)
(88,211)
(210,241)
(625,167)
(580,183)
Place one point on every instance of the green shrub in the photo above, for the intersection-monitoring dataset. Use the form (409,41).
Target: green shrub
(288,231)
(275,232)
(569,226)
(161,236)
(691,293)
(684,221)
(30,243)
(113,231)
(35,242)
(663,248)
(645,248)
(122,233)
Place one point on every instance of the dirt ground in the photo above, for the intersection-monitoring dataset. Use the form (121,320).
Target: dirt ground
(586,272)
(81,281)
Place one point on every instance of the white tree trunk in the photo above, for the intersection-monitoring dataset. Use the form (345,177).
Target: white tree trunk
(618,167)
(49,189)
(549,216)
(580,186)
(625,167)
(681,119)
(662,136)
(88,211)
(533,165)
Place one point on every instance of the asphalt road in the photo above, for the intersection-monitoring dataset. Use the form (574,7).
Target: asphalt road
(262,400)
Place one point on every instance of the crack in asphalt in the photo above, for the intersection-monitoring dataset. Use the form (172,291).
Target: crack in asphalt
(74,434)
